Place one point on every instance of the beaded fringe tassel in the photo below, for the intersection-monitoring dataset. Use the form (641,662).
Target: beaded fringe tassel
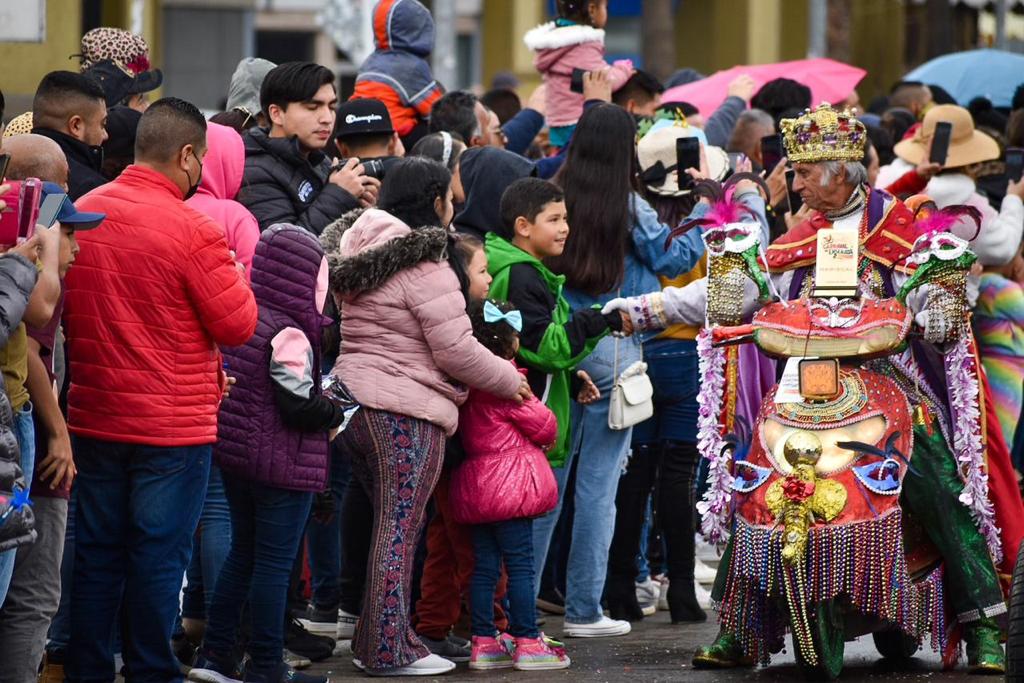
(864,563)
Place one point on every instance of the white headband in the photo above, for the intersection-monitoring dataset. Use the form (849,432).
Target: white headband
(446,152)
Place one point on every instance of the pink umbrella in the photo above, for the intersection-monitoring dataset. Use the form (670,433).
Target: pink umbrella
(829,81)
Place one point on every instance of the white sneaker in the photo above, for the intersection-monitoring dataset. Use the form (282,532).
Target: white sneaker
(703,595)
(602,628)
(342,648)
(647,594)
(703,573)
(431,665)
(346,629)
(662,582)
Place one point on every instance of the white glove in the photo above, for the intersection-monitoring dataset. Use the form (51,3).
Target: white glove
(619,304)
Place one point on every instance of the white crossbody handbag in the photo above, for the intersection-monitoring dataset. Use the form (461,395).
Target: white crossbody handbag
(632,398)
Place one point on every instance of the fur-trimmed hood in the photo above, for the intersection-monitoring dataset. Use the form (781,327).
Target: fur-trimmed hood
(367,247)
(551,37)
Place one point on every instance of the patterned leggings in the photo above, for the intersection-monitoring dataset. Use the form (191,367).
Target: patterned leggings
(398,460)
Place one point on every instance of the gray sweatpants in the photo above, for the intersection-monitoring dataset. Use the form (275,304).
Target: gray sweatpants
(34,594)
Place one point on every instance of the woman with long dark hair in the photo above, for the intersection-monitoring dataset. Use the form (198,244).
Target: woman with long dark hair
(616,245)
(407,355)
(664,448)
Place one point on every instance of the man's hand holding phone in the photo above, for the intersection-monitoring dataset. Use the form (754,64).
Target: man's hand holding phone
(596,86)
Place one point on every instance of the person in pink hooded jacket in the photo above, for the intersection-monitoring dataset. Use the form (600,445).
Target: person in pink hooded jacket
(220,181)
(503,484)
(409,357)
(575,40)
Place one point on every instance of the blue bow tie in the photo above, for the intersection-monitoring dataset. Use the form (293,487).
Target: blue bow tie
(492,315)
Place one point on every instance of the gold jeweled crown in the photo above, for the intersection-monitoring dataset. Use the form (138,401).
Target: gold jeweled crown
(823,134)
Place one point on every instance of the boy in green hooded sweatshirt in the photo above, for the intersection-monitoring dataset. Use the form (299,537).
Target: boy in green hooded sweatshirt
(553,340)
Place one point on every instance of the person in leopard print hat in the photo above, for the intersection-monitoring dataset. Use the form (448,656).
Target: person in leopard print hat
(107,47)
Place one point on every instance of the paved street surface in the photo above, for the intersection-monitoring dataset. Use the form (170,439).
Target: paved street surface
(658,651)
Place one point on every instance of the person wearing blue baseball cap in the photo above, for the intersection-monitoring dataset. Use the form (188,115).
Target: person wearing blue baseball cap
(35,588)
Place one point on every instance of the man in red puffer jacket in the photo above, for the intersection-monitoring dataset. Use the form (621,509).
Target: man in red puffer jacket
(153,293)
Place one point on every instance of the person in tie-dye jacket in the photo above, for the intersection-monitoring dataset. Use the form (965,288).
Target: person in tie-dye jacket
(999,327)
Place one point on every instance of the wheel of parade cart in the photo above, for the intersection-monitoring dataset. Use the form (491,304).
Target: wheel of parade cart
(894,644)
(1015,639)
(829,643)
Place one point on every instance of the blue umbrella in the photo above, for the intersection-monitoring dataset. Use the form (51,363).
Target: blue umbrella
(994,74)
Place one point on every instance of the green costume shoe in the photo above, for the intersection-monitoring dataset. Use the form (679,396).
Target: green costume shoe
(724,653)
(984,653)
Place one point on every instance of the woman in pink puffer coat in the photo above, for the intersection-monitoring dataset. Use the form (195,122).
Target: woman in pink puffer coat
(408,356)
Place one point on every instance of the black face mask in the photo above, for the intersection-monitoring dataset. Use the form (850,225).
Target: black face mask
(193,188)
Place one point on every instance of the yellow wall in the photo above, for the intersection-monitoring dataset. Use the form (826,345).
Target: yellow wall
(712,35)
(24,64)
(504,24)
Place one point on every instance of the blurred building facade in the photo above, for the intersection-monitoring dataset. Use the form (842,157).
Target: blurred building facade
(197,43)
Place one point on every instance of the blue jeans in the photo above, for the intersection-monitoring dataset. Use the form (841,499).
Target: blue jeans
(511,541)
(209,549)
(599,455)
(266,527)
(672,367)
(323,540)
(25,433)
(136,508)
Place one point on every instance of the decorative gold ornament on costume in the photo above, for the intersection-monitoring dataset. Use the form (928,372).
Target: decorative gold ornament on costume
(823,134)
(801,497)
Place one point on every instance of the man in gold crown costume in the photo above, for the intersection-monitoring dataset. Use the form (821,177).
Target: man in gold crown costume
(826,148)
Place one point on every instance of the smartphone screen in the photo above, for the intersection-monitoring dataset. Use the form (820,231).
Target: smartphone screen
(50,208)
(576,82)
(1014,163)
(687,156)
(940,142)
(31,190)
(771,152)
(4,160)
(795,200)
(735,158)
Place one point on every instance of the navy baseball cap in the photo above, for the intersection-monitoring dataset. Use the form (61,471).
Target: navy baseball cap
(68,214)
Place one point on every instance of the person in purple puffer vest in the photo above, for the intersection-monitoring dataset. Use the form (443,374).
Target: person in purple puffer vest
(272,446)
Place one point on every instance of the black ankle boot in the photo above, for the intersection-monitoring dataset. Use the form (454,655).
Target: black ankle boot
(682,603)
(622,603)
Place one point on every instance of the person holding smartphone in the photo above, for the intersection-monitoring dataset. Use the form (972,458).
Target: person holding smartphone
(1001,231)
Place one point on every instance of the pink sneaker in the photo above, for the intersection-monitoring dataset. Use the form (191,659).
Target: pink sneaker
(535,654)
(489,653)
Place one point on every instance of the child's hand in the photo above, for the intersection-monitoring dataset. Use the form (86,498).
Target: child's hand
(524,392)
(627,324)
(229,382)
(589,391)
(596,86)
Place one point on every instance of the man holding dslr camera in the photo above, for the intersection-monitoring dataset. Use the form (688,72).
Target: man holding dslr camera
(288,177)
(364,132)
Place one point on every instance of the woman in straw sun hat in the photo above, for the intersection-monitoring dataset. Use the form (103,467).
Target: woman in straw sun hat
(1001,231)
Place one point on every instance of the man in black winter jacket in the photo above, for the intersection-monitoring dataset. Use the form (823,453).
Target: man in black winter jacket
(71,110)
(288,178)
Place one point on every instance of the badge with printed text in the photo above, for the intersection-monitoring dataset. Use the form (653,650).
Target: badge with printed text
(835,267)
